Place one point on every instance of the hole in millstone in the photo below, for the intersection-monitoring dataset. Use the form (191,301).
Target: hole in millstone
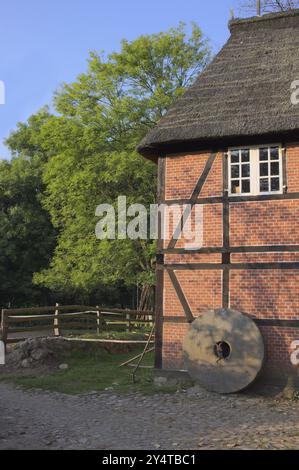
(222,350)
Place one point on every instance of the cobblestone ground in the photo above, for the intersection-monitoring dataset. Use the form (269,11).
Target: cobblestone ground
(185,420)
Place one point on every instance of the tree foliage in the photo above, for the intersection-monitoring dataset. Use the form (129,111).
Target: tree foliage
(27,237)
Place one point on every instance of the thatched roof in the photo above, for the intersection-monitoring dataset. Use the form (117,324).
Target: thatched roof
(244,93)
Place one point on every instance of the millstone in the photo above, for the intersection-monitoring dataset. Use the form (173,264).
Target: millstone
(223,350)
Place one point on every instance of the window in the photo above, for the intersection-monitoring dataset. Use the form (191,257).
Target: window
(255,170)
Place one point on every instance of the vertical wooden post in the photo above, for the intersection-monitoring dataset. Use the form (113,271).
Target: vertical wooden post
(56,322)
(159,272)
(4,326)
(226,257)
(1,327)
(128,318)
(284,169)
(2,353)
(98,320)
(258,8)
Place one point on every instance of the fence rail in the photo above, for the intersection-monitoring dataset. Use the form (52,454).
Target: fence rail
(61,318)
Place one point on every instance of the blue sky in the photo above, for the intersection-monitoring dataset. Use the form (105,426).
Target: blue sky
(45,43)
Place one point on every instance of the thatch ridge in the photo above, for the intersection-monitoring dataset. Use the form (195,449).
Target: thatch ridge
(266,17)
(244,92)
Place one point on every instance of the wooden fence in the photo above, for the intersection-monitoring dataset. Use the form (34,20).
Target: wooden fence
(60,319)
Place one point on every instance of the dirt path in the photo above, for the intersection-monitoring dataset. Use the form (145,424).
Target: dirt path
(185,420)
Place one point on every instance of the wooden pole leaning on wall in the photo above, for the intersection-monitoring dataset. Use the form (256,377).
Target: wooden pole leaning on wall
(56,320)
(129,362)
(142,354)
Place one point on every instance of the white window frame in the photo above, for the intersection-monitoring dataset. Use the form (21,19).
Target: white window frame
(254,163)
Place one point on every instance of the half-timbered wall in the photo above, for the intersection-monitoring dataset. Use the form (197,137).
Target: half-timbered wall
(249,259)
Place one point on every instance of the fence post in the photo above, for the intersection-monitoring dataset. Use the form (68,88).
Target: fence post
(56,320)
(4,327)
(128,318)
(98,319)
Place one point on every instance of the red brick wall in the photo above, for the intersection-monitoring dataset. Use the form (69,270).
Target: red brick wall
(192,258)
(171,305)
(264,223)
(277,343)
(292,167)
(265,293)
(202,290)
(182,174)
(212,229)
(262,293)
(173,333)
(264,257)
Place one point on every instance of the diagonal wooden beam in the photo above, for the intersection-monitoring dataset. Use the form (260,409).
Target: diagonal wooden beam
(181,295)
(201,181)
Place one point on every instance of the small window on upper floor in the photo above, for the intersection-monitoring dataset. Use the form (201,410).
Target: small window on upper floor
(255,170)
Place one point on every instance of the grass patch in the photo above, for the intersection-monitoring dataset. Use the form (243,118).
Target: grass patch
(93,371)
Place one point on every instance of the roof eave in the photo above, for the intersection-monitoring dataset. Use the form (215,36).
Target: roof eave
(154,151)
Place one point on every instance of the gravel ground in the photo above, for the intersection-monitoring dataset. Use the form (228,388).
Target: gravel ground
(185,420)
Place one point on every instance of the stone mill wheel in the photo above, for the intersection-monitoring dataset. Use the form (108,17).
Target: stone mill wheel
(223,350)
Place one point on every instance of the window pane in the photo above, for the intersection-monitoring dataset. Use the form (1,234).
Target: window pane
(264,185)
(235,156)
(245,155)
(235,171)
(263,169)
(235,186)
(274,184)
(245,170)
(275,168)
(264,154)
(245,186)
(274,153)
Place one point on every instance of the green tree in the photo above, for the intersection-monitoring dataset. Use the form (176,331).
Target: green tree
(91,158)
(27,237)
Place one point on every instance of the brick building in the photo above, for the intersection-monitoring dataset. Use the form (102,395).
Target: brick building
(231,145)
